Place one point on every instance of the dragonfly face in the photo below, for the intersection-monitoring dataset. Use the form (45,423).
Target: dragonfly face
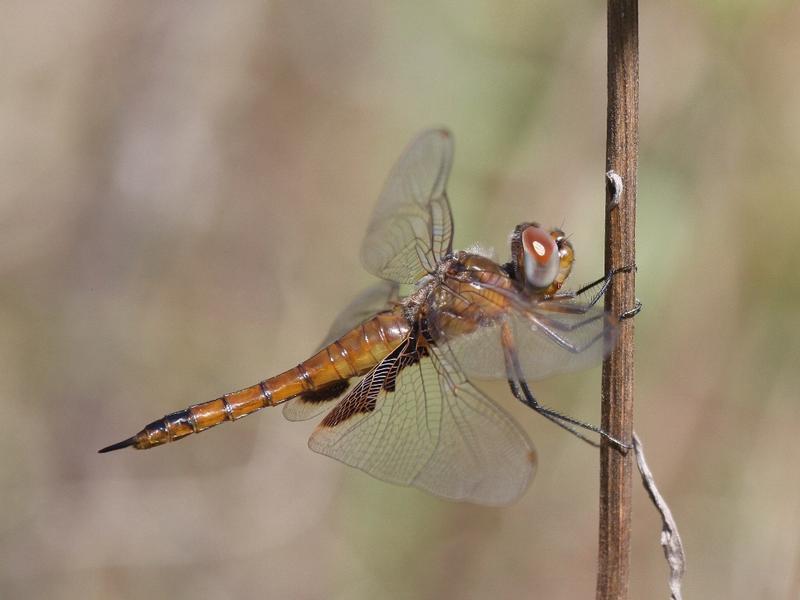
(394,374)
(543,259)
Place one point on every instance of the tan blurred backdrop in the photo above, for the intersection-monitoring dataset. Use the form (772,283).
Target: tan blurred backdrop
(184,189)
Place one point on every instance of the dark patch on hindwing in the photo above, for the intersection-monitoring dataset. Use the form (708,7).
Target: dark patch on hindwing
(329,392)
(347,408)
(363,397)
(408,359)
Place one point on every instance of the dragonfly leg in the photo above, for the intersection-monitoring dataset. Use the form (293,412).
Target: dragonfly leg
(552,327)
(530,401)
(519,387)
(560,326)
(572,309)
(547,327)
(604,282)
(561,419)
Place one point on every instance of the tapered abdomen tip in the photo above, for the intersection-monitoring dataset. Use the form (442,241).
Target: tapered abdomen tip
(119,445)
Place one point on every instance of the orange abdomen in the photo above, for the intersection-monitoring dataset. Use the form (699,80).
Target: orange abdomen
(351,355)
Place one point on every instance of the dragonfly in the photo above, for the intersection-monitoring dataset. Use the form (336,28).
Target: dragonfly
(395,372)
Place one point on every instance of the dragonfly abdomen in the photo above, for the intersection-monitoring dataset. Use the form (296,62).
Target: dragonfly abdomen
(363,347)
(352,355)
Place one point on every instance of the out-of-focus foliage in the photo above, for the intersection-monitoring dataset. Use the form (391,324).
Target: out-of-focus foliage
(184,188)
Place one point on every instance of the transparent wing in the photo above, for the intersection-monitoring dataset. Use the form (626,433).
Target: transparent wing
(374,299)
(412,226)
(416,420)
(551,338)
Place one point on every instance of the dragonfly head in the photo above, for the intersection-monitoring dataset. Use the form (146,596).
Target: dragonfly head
(542,259)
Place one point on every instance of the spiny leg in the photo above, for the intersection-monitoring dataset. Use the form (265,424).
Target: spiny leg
(518,395)
(517,383)
(551,327)
(554,415)
(551,324)
(604,282)
(561,326)
(546,326)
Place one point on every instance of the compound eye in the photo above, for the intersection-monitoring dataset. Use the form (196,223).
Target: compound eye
(541,259)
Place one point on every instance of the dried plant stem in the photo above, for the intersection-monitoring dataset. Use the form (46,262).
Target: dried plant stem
(617,391)
(670,538)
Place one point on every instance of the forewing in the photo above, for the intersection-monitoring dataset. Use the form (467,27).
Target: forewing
(550,337)
(416,420)
(371,301)
(412,226)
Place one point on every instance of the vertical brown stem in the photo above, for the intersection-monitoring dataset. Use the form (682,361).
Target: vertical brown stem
(617,393)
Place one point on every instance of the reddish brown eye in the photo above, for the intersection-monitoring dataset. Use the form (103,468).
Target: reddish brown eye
(540,258)
(538,244)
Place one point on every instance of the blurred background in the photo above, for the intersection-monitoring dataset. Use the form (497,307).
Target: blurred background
(184,190)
